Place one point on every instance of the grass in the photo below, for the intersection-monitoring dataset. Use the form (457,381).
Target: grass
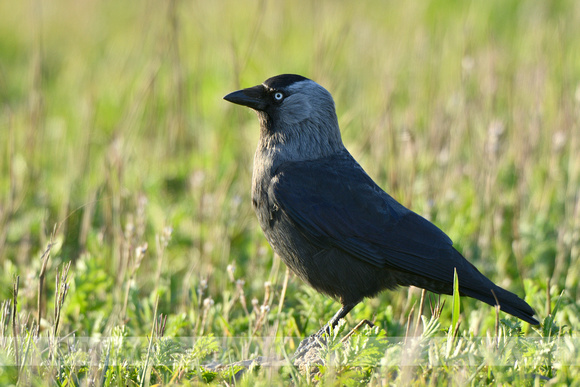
(119,158)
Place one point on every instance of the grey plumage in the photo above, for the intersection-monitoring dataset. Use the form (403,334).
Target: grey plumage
(327,219)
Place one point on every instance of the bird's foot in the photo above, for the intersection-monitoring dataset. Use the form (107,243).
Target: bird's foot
(310,346)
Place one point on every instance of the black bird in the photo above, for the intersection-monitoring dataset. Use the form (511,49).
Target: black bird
(330,222)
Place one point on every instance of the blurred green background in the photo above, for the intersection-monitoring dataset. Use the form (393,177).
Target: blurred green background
(113,129)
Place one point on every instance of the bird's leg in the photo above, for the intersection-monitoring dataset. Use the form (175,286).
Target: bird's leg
(335,319)
(309,342)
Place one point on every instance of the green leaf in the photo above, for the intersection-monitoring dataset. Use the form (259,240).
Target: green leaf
(455,316)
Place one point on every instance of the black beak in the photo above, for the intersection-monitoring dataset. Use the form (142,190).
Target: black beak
(253,97)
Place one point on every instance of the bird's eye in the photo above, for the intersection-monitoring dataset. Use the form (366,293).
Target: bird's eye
(278,96)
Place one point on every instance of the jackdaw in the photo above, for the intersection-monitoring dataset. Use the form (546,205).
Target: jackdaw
(331,224)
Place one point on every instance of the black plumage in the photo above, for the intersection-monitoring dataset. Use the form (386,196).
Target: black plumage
(327,219)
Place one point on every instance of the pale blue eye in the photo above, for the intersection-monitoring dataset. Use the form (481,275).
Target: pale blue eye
(278,96)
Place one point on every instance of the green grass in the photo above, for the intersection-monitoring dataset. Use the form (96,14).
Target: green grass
(118,155)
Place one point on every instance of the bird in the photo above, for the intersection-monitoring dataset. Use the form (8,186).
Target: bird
(330,223)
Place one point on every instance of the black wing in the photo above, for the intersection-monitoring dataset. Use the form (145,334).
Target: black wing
(337,203)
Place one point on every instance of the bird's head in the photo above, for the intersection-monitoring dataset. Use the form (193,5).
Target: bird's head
(294,112)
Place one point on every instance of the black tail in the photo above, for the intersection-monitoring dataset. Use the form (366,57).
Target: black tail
(508,302)
(478,286)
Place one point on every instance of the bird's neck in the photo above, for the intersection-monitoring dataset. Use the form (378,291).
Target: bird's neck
(300,142)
